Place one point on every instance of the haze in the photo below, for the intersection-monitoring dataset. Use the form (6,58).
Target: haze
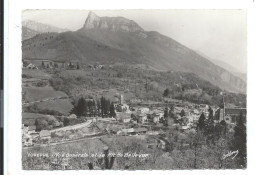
(218,34)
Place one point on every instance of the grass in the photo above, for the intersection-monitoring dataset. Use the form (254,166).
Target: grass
(62,106)
(34,73)
(87,146)
(41,93)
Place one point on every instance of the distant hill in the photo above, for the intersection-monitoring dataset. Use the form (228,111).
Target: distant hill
(230,68)
(31,28)
(109,40)
(226,66)
(28,33)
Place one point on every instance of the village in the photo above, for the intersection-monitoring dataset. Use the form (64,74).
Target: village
(142,121)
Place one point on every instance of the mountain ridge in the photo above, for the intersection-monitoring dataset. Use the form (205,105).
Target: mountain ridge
(33,27)
(105,45)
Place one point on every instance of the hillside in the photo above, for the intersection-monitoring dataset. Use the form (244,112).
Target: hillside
(110,40)
(28,33)
(230,68)
(31,28)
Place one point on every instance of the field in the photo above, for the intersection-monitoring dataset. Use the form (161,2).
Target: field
(29,118)
(62,106)
(88,146)
(41,93)
(34,73)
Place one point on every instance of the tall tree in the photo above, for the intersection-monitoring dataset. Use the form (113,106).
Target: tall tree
(240,141)
(182,113)
(112,110)
(210,110)
(43,64)
(80,108)
(201,123)
(171,112)
(166,92)
(166,116)
(98,107)
(102,104)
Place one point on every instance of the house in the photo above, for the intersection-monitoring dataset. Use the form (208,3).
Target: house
(31,129)
(31,66)
(45,134)
(193,118)
(124,117)
(142,110)
(24,129)
(139,130)
(27,140)
(156,118)
(230,115)
(132,131)
(122,108)
(34,135)
(142,118)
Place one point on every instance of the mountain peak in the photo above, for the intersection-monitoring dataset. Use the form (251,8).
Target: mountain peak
(114,24)
(92,21)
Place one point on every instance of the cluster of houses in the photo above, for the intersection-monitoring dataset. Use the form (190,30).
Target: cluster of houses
(30,135)
(29,66)
(186,116)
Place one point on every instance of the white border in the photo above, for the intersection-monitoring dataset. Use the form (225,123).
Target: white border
(13,70)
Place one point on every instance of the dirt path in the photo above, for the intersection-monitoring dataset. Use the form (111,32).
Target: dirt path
(77,126)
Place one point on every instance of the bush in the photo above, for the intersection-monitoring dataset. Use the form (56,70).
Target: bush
(41,84)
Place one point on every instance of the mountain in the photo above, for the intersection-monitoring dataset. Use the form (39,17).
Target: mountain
(226,66)
(31,28)
(28,33)
(231,69)
(110,40)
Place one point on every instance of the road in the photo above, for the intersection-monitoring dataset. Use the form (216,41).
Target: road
(77,126)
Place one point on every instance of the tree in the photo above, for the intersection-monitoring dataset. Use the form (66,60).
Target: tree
(40,124)
(166,115)
(43,64)
(209,130)
(197,142)
(166,92)
(210,110)
(171,112)
(98,107)
(70,65)
(80,108)
(112,110)
(56,65)
(220,130)
(240,142)
(182,113)
(201,123)
(102,104)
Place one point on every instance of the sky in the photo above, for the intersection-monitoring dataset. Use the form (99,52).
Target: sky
(218,34)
